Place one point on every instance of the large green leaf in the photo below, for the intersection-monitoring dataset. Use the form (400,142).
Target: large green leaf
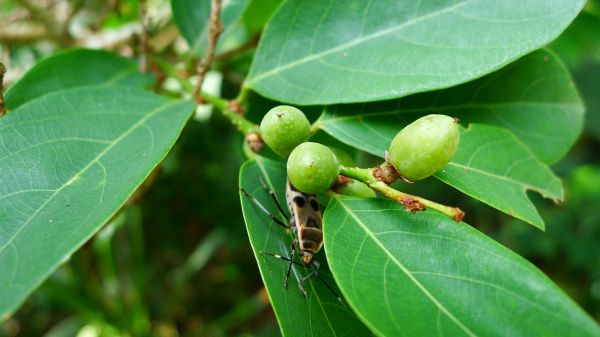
(492,166)
(74,68)
(319,315)
(530,97)
(336,51)
(69,160)
(427,275)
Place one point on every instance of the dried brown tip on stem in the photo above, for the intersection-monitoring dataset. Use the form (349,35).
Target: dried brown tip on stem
(255,142)
(456,120)
(411,204)
(459,215)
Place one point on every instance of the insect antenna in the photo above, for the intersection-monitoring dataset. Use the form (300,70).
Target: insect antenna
(263,209)
(339,298)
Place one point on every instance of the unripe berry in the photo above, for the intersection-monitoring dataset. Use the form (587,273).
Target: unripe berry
(283,128)
(425,146)
(312,168)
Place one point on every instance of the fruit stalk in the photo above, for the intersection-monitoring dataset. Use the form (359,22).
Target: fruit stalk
(410,202)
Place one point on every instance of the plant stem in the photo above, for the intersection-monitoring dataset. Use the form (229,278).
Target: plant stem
(410,202)
(2,72)
(143,37)
(215,29)
(243,125)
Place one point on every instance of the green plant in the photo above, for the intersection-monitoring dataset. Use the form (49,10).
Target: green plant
(424,146)
(283,128)
(312,168)
(87,132)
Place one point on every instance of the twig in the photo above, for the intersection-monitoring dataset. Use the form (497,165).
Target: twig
(410,202)
(143,37)
(230,109)
(215,29)
(2,72)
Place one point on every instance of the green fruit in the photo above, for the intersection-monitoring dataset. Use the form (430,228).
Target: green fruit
(357,189)
(312,168)
(425,146)
(283,128)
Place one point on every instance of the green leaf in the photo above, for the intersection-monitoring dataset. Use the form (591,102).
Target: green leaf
(492,166)
(580,43)
(74,68)
(427,275)
(319,315)
(340,51)
(531,97)
(192,18)
(69,161)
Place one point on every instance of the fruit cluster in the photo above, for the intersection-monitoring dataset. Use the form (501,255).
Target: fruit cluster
(418,151)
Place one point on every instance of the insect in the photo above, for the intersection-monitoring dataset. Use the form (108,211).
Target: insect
(305,223)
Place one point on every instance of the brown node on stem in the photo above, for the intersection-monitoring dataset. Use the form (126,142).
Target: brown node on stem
(386,173)
(254,141)
(411,204)
(236,107)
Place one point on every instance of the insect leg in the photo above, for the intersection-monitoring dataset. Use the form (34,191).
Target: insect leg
(264,210)
(292,253)
(274,197)
(315,272)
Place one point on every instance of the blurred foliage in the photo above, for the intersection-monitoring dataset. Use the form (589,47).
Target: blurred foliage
(177,262)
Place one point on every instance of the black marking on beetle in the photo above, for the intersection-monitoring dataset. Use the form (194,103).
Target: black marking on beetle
(314,205)
(299,201)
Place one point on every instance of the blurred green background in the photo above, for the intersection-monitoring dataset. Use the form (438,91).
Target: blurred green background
(176,260)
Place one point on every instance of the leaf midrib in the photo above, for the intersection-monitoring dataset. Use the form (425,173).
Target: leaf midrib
(407,272)
(69,181)
(355,42)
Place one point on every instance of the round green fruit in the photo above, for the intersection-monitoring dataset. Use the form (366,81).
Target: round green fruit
(283,128)
(425,146)
(357,189)
(312,168)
